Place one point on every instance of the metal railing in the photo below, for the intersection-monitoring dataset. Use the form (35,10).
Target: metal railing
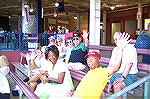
(144,80)
(21,41)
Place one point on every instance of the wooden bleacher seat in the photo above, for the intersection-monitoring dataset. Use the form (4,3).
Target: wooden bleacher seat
(18,80)
(21,72)
(78,75)
(18,66)
(143,68)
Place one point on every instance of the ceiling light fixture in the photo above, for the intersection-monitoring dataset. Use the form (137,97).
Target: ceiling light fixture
(76,18)
(56,4)
(31,10)
(112,7)
(55,14)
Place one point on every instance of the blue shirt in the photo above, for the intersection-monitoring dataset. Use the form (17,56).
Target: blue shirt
(143,42)
(78,53)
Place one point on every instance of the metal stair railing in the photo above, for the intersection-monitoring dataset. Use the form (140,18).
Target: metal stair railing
(145,80)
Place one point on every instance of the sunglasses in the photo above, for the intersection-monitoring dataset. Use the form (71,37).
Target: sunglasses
(69,42)
(76,38)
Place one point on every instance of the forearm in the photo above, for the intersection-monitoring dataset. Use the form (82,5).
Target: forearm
(86,42)
(34,78)
(127,69)
(33,65)
(55,80)
(115,68)
(60,78)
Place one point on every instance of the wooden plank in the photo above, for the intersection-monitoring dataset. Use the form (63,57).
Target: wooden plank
(77,75)
(21,68)
(141,66)
(110,48)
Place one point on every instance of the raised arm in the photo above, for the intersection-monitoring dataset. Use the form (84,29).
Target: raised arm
(85,38)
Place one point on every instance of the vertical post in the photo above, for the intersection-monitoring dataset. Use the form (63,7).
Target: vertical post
(95,10)
(147,90)
(104,27)
(46,23)
(25,16)
(39,24)
(139,18)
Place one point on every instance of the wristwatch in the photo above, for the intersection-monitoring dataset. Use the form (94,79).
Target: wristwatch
(123,76)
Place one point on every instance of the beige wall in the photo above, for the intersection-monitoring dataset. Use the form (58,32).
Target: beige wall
(71,23)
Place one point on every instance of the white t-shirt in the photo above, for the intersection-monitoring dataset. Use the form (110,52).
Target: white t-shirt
(4,70)
(4,85)
(129,56)
(38,61)
(56,90)
(53,71)
(58,68)
(43,64)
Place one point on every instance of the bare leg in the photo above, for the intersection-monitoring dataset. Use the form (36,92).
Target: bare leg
(33,82)
(117,87)
(34,78)
(32,86)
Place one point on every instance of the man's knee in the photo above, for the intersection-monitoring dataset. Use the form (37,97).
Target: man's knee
(119,86)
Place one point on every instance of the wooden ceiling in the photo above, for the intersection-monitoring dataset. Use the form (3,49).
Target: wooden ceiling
(14,7)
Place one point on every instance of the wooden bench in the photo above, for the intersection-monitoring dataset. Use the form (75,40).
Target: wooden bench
(29,94)
(20,73)
(143,68)
(21,68)
(78,75)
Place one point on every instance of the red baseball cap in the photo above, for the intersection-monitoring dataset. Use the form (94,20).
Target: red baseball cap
(93,53)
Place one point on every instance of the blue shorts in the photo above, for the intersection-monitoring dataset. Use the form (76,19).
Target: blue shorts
(130,78)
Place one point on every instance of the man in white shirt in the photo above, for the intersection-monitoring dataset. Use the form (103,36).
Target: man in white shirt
(127,72)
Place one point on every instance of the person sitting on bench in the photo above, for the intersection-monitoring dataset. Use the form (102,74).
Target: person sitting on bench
(93,83)
(56,80)
(4,84)
(126,75)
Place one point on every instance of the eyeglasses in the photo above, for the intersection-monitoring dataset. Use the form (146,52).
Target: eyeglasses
(69,42)
(76,38)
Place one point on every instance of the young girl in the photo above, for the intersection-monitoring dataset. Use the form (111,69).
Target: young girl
(4,85)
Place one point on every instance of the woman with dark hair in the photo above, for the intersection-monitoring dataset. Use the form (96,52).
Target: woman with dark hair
(56,79)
